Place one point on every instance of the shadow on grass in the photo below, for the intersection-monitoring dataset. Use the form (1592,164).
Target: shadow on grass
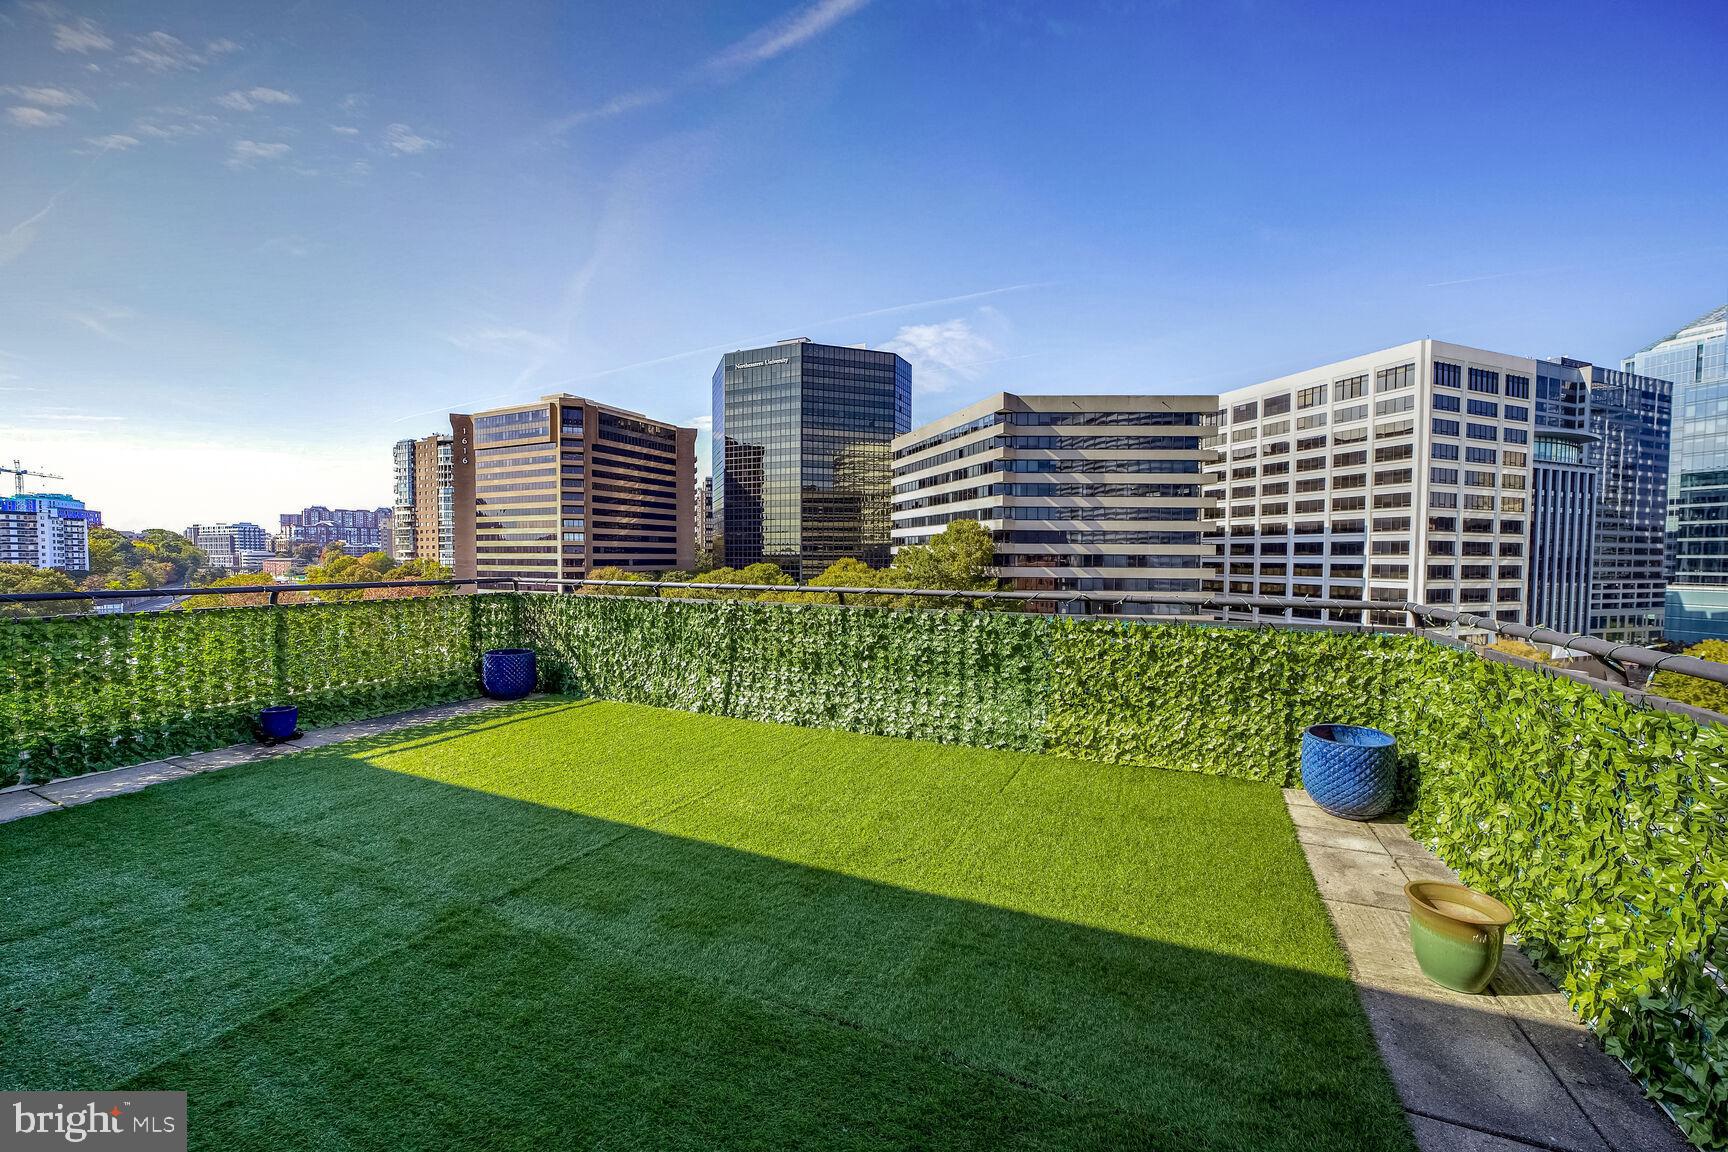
(326,954)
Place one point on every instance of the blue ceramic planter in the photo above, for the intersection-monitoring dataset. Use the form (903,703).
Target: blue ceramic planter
(1350,771)
(508,673)
(279,723)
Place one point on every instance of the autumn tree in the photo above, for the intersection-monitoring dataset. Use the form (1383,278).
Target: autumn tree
(1706,694)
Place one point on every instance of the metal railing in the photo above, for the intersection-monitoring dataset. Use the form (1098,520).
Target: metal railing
(1424,618)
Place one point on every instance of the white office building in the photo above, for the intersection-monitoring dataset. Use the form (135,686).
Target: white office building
(240,547)
(1399,475)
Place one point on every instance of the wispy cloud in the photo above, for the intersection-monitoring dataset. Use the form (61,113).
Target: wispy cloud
(161,52)
(113,142)
(764,44)
(102,319)
(253,98)
(175,124)
(803,326)
(23,116)
(944,354)
(83,37)
(49,97)
(773,40)
(243,153)
(503,340)
(21,235)
(404,141)
(344,130)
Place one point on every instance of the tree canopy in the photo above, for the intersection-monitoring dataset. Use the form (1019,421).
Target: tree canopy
(1691,690)
(26,578)
(155,558)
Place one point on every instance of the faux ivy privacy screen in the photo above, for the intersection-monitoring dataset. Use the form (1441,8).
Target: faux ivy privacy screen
(1600,822)
(82,693)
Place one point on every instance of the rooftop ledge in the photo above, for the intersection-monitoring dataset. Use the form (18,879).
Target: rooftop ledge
(1068,905)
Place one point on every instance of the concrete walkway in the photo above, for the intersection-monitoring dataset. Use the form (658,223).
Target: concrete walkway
(1509,1069)
(36,799)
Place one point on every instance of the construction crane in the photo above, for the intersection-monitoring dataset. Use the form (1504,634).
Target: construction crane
(19,472)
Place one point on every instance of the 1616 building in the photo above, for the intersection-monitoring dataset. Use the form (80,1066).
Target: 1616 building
(554,489)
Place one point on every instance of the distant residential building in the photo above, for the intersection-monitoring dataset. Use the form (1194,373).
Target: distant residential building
(425,513)
(1399,475)
(704,512)
(239,547)
(46,530)
(358,530)
(277,565)
(1695,359)
(1081,493)
(801,444)
(554,489)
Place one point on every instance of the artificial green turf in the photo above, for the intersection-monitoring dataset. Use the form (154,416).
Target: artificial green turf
(587,923)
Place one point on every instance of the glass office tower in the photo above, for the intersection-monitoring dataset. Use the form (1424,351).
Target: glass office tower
(1696,360)
(801,453)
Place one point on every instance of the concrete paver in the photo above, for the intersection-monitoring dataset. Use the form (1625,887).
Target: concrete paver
(1510,1069)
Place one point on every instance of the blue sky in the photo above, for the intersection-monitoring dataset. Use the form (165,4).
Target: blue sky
(245,247)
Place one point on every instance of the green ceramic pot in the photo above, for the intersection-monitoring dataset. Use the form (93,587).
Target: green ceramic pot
(1456,933)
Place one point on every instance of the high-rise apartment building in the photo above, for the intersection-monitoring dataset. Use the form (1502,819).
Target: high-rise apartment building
(358,530)
(239,547)
(46,530)
(553,489)
(801,462)
(1695,359)
(1400,475)
(1081,493)
(704,512)
(425,500)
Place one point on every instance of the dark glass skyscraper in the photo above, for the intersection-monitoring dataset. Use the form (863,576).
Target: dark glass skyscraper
(1600,491)
(801,453)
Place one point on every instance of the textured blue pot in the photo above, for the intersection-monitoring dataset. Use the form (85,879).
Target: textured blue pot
(1350,771)
(279,723)
(508,673)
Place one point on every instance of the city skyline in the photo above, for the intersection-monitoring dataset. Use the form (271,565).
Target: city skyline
(262,248)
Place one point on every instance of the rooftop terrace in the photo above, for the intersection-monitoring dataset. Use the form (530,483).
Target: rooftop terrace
(795,875)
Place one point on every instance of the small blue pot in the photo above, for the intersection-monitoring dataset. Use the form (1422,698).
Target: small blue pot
(508,673)
(279,722)
(1350,771)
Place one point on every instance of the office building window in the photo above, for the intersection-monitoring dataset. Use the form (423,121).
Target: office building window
(1311,397)
(1518,387)
(1441,451)
(1483,380)
(1445,427)
(1350,388)
(1447,375)
(1445,403)
(1278,405)
(1481,432)
(1484,408)
(1392,379)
